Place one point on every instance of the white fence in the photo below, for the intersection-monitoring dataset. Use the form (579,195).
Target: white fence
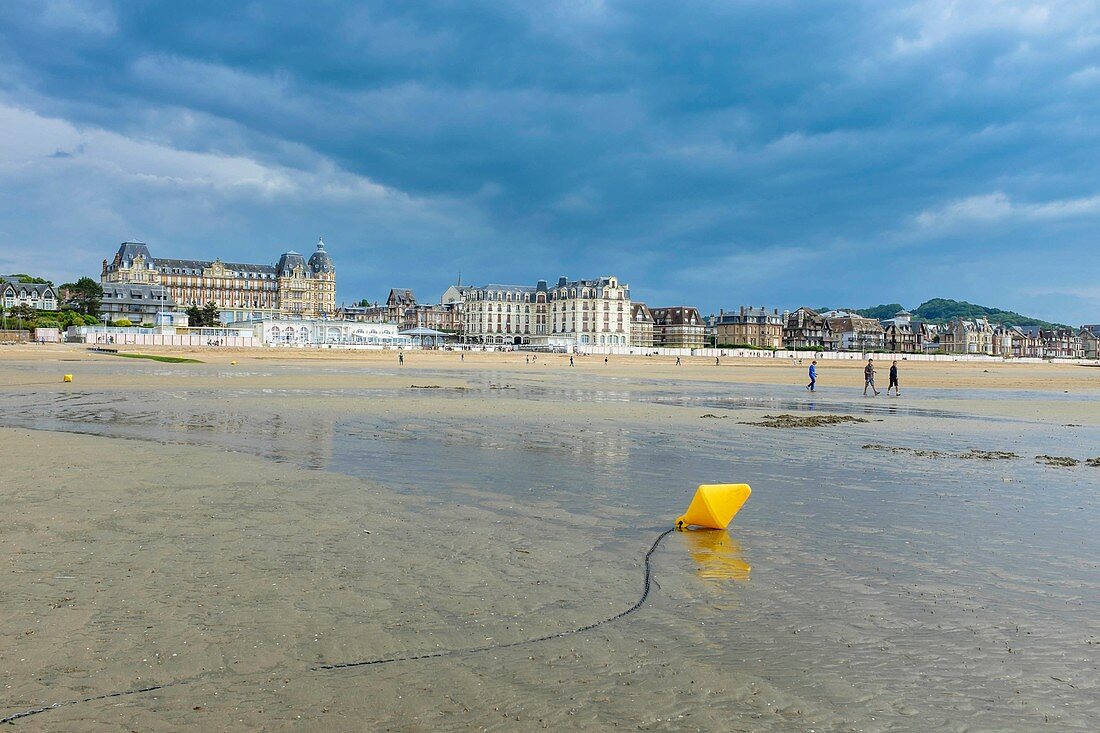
(159,339)
(807,356)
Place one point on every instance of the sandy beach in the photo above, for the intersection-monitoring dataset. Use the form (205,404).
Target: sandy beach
(222,530)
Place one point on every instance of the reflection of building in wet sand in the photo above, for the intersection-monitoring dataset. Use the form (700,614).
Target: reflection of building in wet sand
(300,439)
(303,439)
(604,448)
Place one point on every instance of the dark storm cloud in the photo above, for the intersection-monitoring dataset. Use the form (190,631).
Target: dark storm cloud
(720,152)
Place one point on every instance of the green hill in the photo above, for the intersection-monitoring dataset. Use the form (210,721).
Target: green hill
(942,310)
(881,312)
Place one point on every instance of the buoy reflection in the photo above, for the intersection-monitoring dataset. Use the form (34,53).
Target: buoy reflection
(717,554)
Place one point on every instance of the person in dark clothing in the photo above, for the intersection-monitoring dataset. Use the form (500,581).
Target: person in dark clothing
(812,386)
(869,377)
(894,380)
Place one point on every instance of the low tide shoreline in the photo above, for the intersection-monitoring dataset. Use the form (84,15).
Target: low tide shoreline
(226,528)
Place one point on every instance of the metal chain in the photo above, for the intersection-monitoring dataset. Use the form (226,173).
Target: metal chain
(556,635)
(77,701)
(647,584)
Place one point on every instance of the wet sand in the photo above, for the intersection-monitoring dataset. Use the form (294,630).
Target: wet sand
(228,528)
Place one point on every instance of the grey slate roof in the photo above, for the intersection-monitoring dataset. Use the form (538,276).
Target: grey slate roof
(34,290)
(319,261)
(288,261)
(127,251)
(195,267)
(677,315)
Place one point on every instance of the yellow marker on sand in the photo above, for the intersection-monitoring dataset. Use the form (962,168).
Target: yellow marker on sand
(67,378)
(714,505)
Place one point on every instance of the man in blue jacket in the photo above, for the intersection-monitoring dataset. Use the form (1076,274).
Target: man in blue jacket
(812,386)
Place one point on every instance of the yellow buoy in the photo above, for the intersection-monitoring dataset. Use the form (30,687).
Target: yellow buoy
(714,505)
(67,378)
(233,363)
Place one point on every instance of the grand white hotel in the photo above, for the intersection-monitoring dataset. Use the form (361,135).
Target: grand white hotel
(570,313)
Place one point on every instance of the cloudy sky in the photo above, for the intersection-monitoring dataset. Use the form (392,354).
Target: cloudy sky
(715,153)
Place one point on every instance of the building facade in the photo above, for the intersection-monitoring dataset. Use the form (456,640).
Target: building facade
(806,328)
(856,333)
(641,326)
(966,336)
(40,296)
(438,317)
(678,327)
(293,287)
(325,332)
(140,303)
(363,313)
(397,302)
(1064,343)
(592,312)
(1005,341)
(1090,342)
(748,326)
(505,315)
(902,336)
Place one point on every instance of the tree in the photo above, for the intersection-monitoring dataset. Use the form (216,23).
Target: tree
(211,316)
(881,312)
(25,278)
(22,311)
(124,323)
(194,315)
(85,295)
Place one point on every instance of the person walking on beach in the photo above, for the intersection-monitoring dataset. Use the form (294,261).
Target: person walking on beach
(716,362)
(400,357)
(570,360)
(812,386)
(894,380)
(677,361)
(869,377)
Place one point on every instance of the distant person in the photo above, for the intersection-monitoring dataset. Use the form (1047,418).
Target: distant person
(462,356)
(527,360)
(869,377)
(605,360)
(894,380)
(677,361)
(716,362)
(570,360)
(400,357)
(812,386)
